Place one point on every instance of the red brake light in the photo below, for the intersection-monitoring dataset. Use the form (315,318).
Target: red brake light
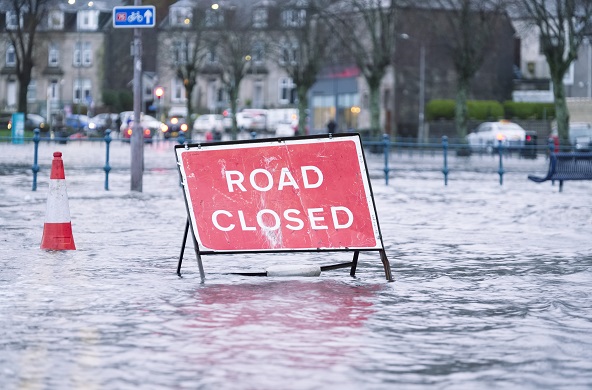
(146,131)
(528,138)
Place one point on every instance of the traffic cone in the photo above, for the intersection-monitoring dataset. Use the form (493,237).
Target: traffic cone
(57,230)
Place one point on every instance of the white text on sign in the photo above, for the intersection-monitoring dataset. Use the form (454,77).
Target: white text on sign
(262,180)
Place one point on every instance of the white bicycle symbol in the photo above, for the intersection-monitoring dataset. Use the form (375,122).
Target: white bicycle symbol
(135,16)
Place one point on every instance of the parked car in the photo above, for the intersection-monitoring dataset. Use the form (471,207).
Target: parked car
(100,122)
(285,129)
(32,122)
(487,135)
(251,119)
(579,135)
(77,123)
(174,126)
(209,122)
(150,127)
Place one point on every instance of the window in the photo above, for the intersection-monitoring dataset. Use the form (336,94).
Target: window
(13,20)
(10,56)
(77,57)
(86,54)
(287,91)
(32,91)
(53,55)
(258,94)
(212,94)
(88,19)
(258,52)
(178,91)
(214,18)
(260,18)
(293,18)
(289,53)
(55,20)
(180,52)
(82,54)
(54,89)
(212,55)
(82,91)
(180,16)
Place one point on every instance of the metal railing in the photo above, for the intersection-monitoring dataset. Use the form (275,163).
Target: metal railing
(382,146)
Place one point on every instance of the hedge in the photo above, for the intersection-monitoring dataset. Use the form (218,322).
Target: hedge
(490,110)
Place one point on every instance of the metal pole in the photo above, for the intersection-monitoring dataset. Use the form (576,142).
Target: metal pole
(445,152)
(421,130)
(35,167)
(137,139)
(387,143)
(589,44)
(107,167)
(501,164)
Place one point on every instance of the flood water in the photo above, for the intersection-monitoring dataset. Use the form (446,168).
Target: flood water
(492,286)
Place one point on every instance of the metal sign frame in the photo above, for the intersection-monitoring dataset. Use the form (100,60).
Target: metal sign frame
(199,167)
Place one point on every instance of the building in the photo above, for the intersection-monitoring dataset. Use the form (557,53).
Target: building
(68,58)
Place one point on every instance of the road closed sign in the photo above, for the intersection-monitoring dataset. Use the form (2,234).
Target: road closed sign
(309,193)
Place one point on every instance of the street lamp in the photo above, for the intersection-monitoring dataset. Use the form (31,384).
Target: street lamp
(158,92)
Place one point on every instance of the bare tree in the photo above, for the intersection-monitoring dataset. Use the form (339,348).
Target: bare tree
(470,27)
(27,17)
(562,25)
(232,39)
(367,30)
(302,48)
(186,51)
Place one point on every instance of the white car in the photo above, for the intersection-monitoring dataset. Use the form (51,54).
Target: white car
(487,135)
(251,119)
(209,122)
(286,129)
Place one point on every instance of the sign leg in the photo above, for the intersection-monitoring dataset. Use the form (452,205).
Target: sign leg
(183,248)
(202,274)
(354,264)
(387,266)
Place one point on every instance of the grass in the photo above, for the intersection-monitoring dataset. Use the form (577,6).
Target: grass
(6,135)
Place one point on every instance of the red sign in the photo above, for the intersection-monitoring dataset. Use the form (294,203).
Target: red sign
(292,194)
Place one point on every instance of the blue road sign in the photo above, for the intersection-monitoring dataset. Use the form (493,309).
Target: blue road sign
(134,16)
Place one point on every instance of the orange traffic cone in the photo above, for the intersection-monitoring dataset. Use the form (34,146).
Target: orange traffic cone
(57,230)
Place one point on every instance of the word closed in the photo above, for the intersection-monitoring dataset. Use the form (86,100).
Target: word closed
(310,194)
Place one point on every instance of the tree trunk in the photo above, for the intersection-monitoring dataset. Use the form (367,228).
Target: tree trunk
(233,95)
(302,107)
(24,80)
(189,104)
(375,110)
(460,110)
(561,112)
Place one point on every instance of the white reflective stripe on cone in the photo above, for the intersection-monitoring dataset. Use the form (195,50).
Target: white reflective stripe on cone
(57,202)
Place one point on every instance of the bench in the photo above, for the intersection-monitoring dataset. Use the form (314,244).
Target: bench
(567,166)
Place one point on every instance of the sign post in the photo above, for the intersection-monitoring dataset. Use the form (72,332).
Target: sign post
(136,17)
(280,195)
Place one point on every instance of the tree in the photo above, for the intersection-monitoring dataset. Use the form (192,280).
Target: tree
(562,26)
(231,42)
(367,30)
(27,17)
(302,48)
(469,28)
(187,49)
